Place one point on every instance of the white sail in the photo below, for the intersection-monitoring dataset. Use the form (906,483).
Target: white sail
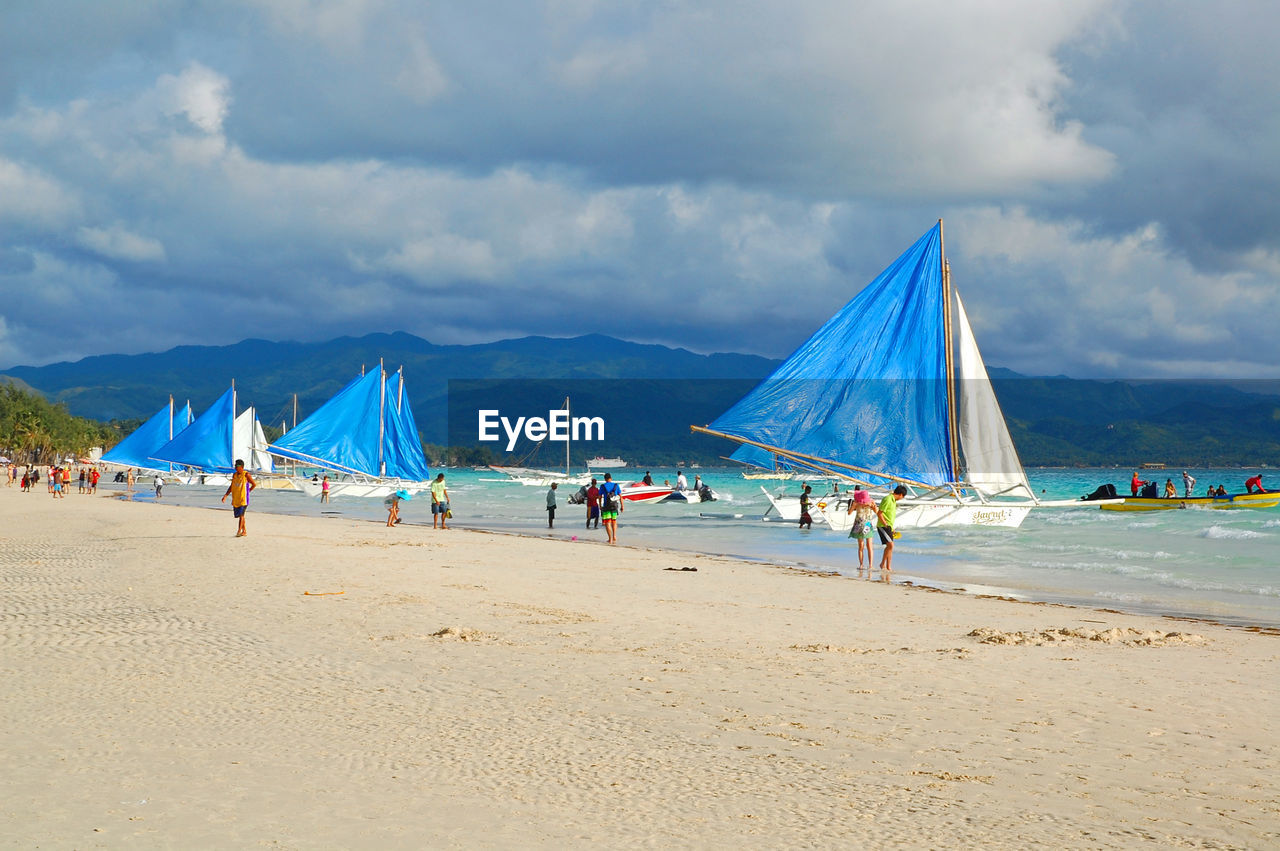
(990,457)
(248,443)
(261,458)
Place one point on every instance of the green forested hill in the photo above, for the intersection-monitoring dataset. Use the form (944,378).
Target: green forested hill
(652,394)
(34,430)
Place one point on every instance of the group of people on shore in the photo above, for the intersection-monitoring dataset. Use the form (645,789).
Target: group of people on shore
(603,501)
(870,520)
(57,479)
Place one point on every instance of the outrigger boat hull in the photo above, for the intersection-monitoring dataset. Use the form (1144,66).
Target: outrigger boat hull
(1268,499)
(925,514)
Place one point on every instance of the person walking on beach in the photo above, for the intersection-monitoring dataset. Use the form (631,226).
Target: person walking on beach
(887,515)
(439,502)
(324,489)
(393,506)
(1188,482)
(241,485)
(128,480)
(81,490)
(551,506)
(806,521)
(94,475)
(159,485)
(55,484)
(611,506)
(593,504)
(864,516)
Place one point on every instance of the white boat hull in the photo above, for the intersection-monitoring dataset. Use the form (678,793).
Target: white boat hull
(788,507)
(359,490)
(927,514)
(542,478)
(639,493)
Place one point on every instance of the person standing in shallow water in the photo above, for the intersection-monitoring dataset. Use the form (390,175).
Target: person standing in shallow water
(551,506)
(593,504)
(806,520)
(241,485)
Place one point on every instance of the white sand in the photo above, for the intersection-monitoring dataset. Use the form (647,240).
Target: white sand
(168,685)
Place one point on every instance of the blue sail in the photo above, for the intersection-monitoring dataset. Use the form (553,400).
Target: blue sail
(402,447)
(342,434)
(137,449)
(206,443)
(754,456)
(869,388)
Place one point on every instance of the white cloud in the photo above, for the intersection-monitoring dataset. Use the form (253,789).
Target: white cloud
(28,195)
(120,244)
(199,93)
(1051,293)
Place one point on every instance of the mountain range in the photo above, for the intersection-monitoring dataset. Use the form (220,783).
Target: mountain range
(654,393)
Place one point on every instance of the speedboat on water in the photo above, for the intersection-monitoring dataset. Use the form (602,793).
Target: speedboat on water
(638,492)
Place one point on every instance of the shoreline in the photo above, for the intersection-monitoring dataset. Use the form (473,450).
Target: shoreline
(182,686)
(903,576)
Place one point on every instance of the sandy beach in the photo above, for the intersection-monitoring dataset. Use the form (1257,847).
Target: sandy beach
(328,683)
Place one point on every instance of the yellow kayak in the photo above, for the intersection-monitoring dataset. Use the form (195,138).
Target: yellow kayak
(1267,499)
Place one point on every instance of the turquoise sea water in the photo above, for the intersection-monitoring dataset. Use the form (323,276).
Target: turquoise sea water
(1221,565)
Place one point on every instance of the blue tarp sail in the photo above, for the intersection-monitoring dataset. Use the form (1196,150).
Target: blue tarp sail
(342,434)
(869,388)
(206,443)
(137,449)
(346,433)
(755,457)
(402,449)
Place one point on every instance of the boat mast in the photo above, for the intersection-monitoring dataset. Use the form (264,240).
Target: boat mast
(948,348)
(171,426)
(382,418)
(567,436)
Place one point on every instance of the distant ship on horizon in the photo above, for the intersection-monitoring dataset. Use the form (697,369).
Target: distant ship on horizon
(600,463)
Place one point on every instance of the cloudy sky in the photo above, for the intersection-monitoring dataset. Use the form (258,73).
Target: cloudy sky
(721,175)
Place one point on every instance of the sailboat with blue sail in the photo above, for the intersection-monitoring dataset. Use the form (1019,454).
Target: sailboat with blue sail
(366,435)
(892,390)
(212,444)
(137,449)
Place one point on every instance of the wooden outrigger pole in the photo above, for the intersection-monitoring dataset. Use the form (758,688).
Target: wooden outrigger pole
(810,460)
